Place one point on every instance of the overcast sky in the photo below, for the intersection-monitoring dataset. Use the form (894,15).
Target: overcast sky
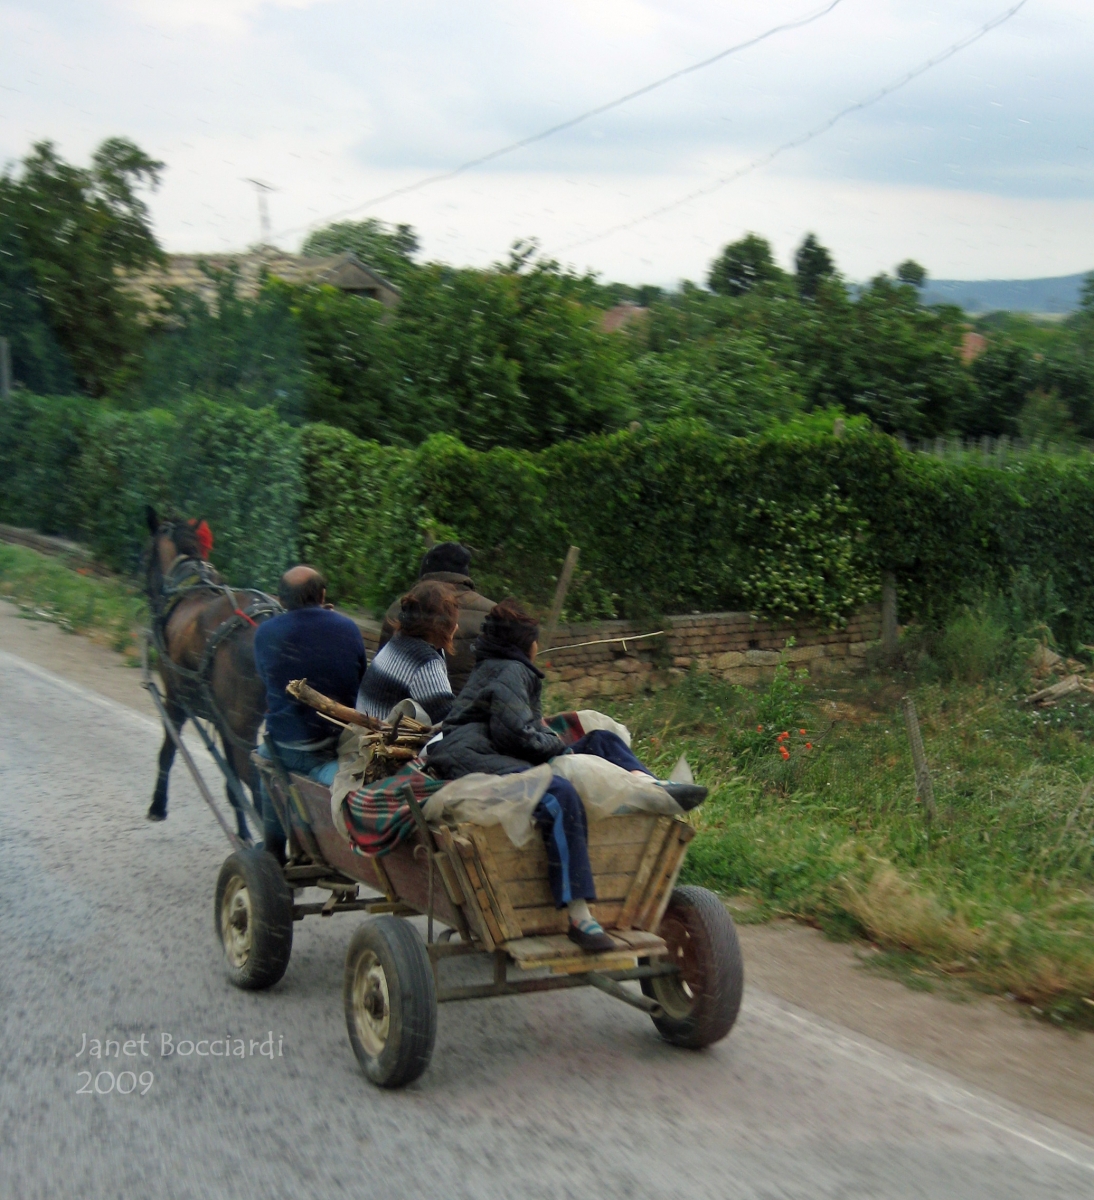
(981,168)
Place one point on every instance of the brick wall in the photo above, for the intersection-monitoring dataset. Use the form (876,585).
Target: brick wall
(734,646)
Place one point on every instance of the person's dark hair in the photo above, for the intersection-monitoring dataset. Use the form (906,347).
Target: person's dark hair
(304,592)
(450,557)
(510,625)
(430,610)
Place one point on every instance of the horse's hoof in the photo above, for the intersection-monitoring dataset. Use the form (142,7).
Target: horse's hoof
(156,814)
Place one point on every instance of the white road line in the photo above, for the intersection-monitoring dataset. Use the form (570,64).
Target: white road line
(149,724)
(764,1006)
(902,1069)
(76,689)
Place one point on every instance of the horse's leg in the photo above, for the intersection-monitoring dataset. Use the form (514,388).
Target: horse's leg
(232,756)
(157,810)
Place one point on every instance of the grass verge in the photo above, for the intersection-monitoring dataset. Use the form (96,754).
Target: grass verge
(823,824)
(108,610)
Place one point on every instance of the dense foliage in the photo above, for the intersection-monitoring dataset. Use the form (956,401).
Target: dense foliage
(75,230)
(669,518)
(521,355)
(390,251)
(77,468)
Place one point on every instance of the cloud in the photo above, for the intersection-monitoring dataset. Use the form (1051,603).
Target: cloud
(334,101)
(230,16)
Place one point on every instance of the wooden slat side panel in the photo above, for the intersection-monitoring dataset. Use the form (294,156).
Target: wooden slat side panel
(605,860)
(653,924)
(645,868)
(631,827)
(534,921)
(534,893)
(466,850)
(496,888)
(660,885)
(471,909)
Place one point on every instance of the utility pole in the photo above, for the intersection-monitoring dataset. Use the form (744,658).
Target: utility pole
(262,190)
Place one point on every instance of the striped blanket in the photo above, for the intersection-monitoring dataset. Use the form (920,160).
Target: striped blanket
(378,816)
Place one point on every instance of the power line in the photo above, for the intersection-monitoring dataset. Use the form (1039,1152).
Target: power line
(816,131)
(429,180)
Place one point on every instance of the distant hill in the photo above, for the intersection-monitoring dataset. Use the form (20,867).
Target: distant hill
(1058,295)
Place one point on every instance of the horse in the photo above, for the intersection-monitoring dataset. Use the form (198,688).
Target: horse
(203,632)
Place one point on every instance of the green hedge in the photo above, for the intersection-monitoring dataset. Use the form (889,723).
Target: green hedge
(78,468)
(672,519)
(669,518)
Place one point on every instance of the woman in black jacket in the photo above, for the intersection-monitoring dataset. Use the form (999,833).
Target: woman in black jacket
(496,726)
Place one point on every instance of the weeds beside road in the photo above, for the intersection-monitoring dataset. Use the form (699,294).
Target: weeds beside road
(823,825)
(109,610)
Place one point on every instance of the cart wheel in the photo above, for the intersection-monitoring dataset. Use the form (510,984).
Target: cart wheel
(253,917)
(702,1001)
(390,1002)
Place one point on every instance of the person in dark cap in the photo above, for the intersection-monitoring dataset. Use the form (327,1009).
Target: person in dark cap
(448,563)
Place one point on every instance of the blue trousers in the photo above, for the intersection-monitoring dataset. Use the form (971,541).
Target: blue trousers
(610,746)
(560,817)
(317,765)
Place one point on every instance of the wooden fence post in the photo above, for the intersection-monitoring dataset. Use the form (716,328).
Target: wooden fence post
(888,614)
(923,786)
(564,578)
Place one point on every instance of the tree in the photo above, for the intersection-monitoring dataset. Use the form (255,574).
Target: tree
(82,230)
(812,263)
(742,265)
(37,361)
(911,272)
(247,351)
(387,249)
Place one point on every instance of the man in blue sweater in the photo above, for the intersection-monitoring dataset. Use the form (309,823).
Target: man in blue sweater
(312,642)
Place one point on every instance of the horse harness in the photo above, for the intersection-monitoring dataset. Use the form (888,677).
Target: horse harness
(183,578)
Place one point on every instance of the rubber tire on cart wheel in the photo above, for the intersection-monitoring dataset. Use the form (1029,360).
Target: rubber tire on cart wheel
(702,1001)
(253,915)
(390,1001)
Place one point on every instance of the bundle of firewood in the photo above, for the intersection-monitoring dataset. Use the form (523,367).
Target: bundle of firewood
(392,744)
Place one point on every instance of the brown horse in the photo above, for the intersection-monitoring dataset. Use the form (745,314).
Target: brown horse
(203,632)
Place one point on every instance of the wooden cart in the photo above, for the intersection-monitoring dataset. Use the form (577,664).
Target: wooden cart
(493,902)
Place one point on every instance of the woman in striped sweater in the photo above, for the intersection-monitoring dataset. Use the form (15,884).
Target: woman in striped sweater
(411,665)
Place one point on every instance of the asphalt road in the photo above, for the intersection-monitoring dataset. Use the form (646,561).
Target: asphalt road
(107,933)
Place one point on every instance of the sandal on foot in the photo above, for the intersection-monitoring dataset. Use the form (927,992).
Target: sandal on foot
(590,936)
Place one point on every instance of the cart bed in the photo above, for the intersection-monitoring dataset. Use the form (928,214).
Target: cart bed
(500,891)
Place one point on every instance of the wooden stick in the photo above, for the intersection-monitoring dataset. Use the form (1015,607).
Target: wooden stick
(299,690)
(564,578)
(889,630)
(923,786)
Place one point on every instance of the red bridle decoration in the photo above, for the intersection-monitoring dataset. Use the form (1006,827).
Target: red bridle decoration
(204,536)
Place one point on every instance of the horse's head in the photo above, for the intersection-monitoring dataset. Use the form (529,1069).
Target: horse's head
(172,540)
